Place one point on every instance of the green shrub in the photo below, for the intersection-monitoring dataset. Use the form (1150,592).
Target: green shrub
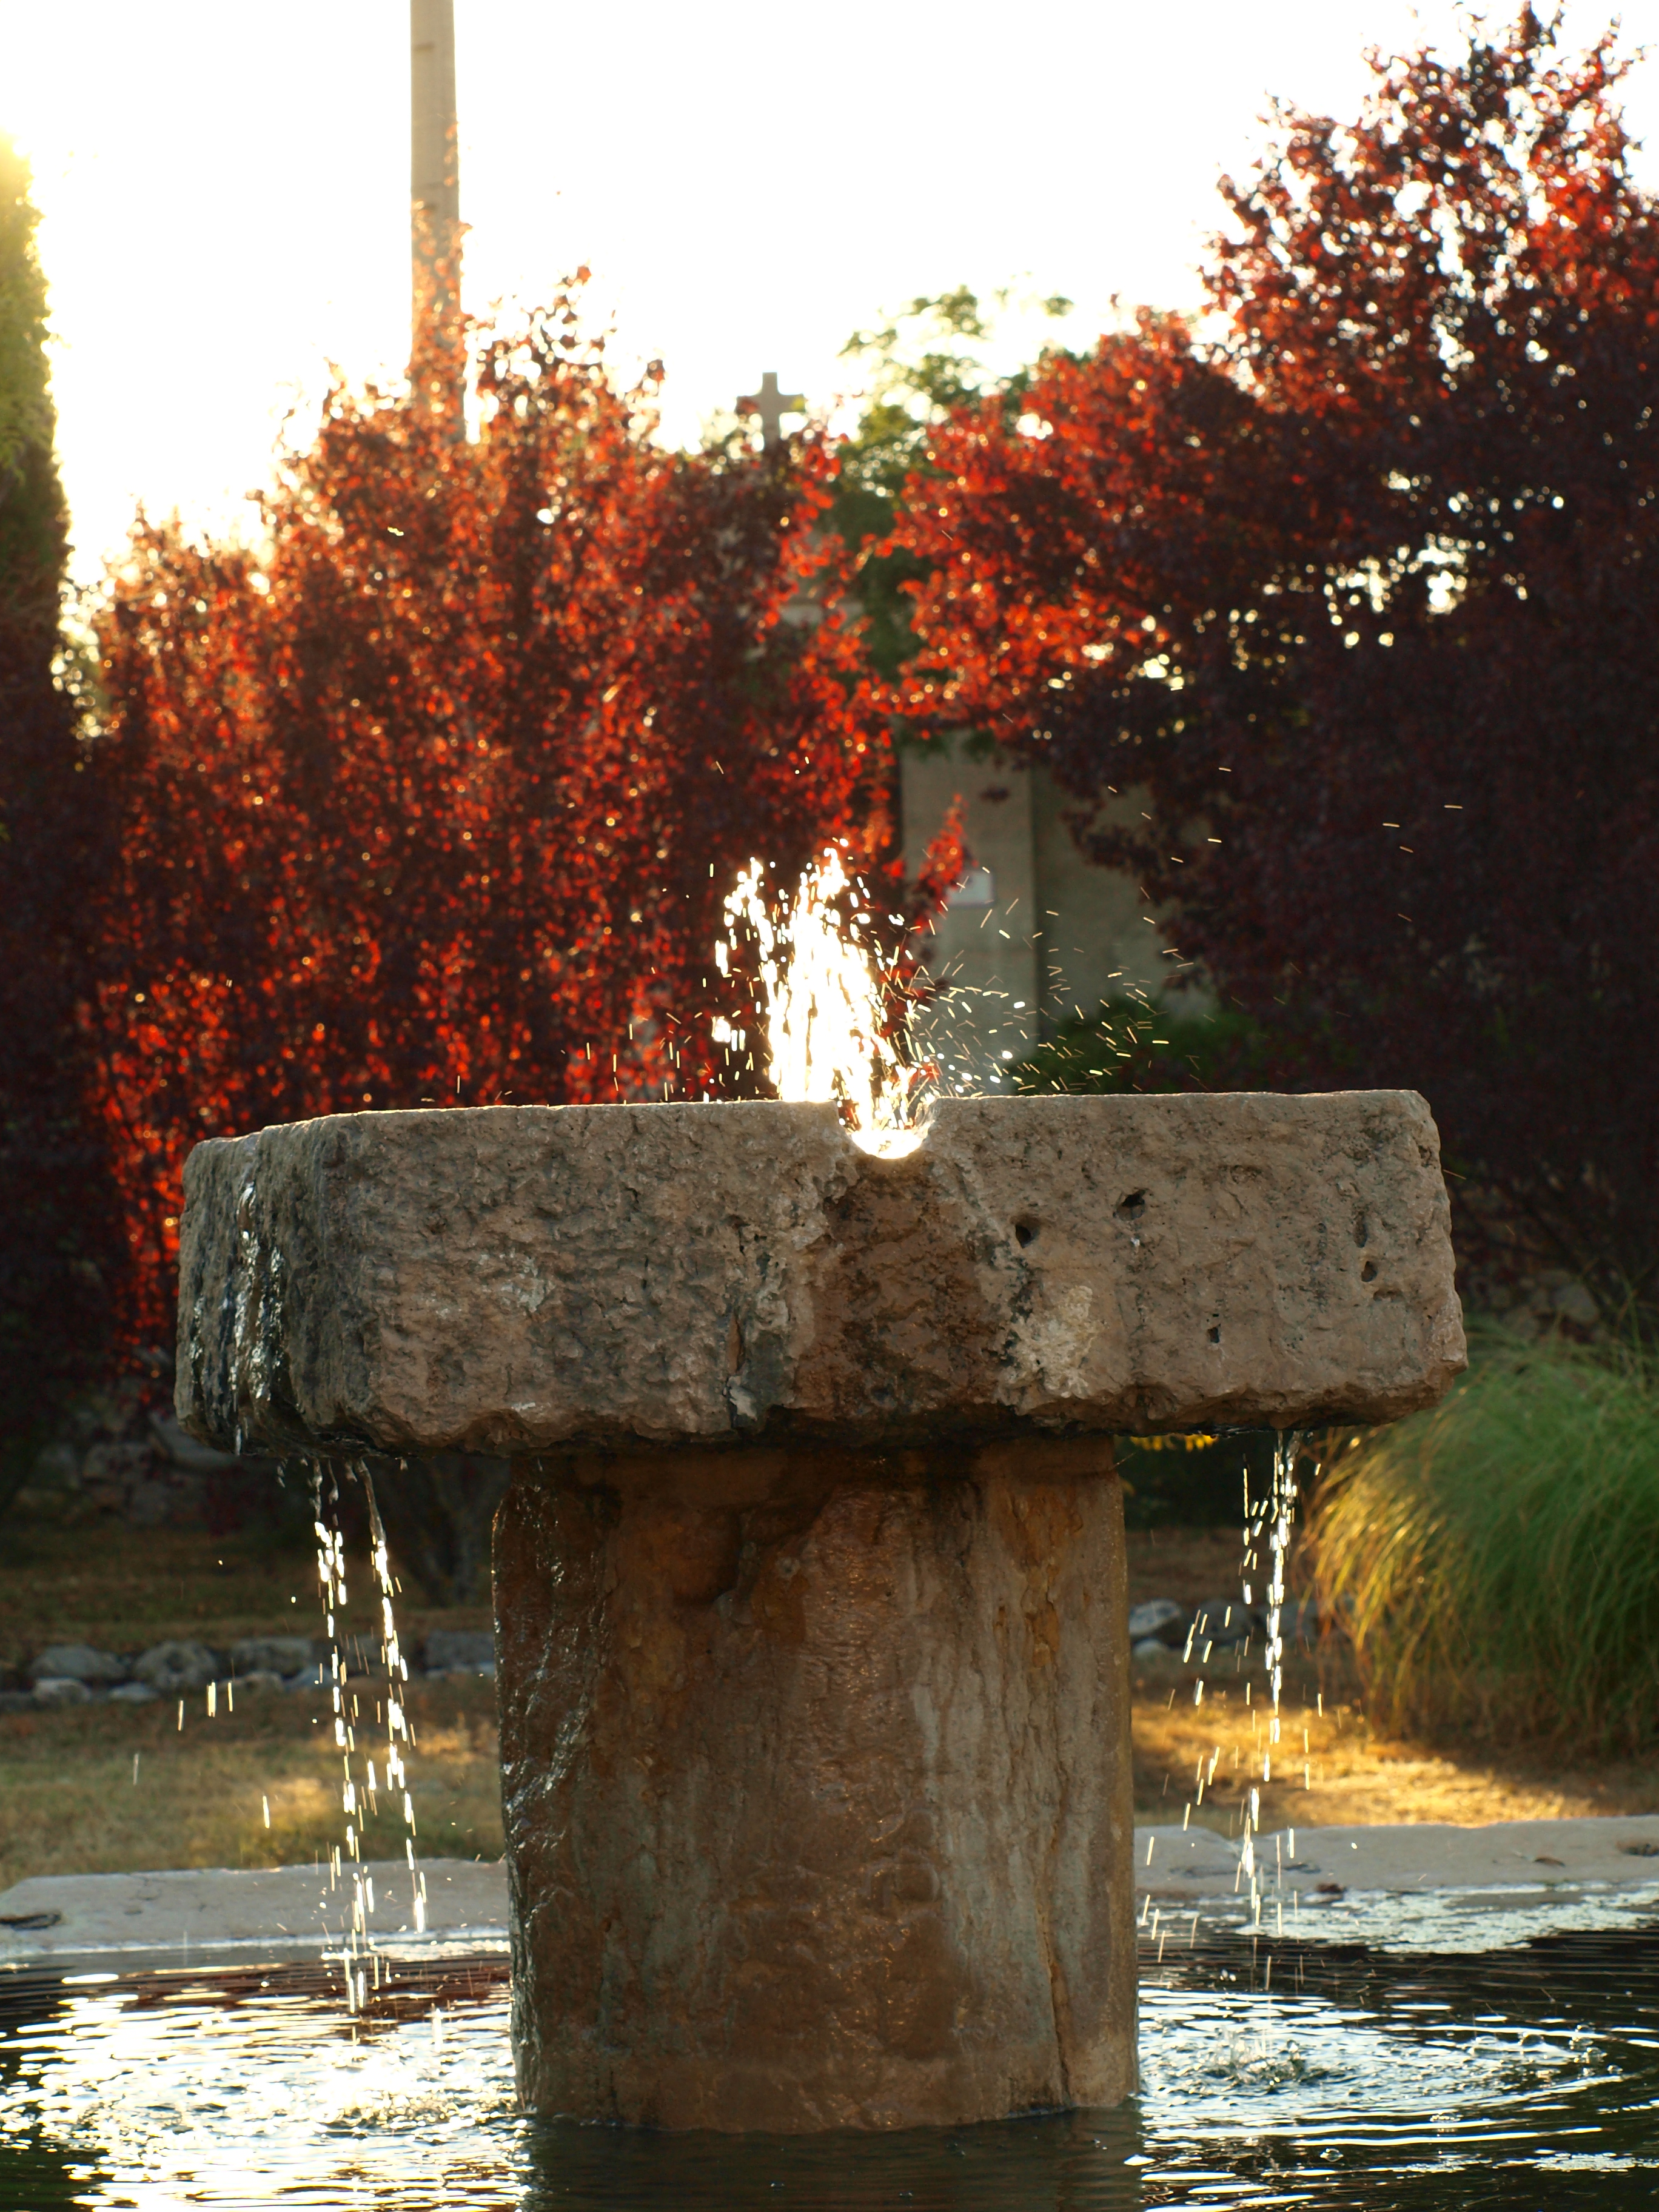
(1497,1561)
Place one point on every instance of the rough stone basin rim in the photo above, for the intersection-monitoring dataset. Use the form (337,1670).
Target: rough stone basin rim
(513,1280)
(811,1600)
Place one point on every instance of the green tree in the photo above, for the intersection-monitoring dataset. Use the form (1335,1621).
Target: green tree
(59,1272)
(925,365)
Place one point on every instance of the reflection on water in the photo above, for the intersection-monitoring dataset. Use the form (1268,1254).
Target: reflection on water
(1273,2074)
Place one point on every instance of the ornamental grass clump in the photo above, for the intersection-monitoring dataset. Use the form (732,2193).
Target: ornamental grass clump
(1496,1560)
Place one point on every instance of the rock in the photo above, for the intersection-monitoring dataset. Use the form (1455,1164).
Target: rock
(79,1663)
(261,1679)
(1574,1304)
(1223,1622)
(1155,1261)
(308,1678)
(185,1452)
(461,1651)
(16,1701)
(1153,1656)
(1160,1616)
(1298,1620)
(61,1690)
(57,1467)
(178,1665)
(871,1744)
(133,1693)
(272,1655)
(116,1465)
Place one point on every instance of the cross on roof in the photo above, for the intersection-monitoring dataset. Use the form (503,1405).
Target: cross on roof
(771,405)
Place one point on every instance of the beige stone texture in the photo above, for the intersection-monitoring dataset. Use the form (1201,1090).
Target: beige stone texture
(816,1778)
(513,1280)
(809,1586)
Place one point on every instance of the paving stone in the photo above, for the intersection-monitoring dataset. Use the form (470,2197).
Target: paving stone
(199,1911)
(177,1664)
(1223,1622)
(79,1663)
(62,1690)
(461,1651)
(275,1655)
(1161,1617)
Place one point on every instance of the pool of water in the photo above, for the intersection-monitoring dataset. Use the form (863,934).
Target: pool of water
(1275,2072)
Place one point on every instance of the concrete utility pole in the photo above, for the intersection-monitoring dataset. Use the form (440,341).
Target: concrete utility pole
(436,206)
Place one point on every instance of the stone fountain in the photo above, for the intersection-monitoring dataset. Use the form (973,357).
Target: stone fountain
(810,1588)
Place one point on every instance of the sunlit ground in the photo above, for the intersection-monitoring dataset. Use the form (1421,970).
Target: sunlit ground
(104,1788)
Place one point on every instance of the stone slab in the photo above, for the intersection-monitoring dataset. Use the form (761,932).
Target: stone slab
(215,1908)
(515,1280)
(1403,1859)
(283,1907)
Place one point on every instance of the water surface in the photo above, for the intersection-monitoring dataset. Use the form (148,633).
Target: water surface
(1274,2073)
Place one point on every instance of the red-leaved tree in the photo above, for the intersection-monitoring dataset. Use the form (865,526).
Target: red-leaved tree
(1364,598)
(436,792)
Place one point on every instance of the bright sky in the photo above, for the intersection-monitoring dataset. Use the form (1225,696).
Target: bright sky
(225,186)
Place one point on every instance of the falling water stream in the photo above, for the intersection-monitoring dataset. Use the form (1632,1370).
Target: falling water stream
(1268,1521)
(360,1959)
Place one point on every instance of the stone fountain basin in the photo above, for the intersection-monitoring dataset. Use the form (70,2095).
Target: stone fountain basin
(810,1599)
(519,1279)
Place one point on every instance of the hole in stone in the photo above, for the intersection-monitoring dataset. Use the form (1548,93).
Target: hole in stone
(1368,1272)
(1215,1333)
(1025,1232)
(1133,1207)
(1362,1233)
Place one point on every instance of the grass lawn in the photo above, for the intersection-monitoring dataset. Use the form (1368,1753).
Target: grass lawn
(105,1788)
(98,1789)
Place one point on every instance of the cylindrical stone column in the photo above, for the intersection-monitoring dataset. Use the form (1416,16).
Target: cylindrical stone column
(816,1780)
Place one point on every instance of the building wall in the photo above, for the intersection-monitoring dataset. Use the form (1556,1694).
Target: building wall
(1100,937)
(1044,936)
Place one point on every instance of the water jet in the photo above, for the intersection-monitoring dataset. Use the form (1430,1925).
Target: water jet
(811,1611)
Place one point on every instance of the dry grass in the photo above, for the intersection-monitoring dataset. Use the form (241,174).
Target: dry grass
(1333,1768)
(99,1789)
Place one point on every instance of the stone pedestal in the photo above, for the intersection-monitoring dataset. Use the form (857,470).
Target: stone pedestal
(810,1584)
(816,1775)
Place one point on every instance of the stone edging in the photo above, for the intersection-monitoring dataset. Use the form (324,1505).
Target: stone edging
(79,1674)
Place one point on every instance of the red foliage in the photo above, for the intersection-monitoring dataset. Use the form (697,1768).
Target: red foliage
(436,794)
(1364,598)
